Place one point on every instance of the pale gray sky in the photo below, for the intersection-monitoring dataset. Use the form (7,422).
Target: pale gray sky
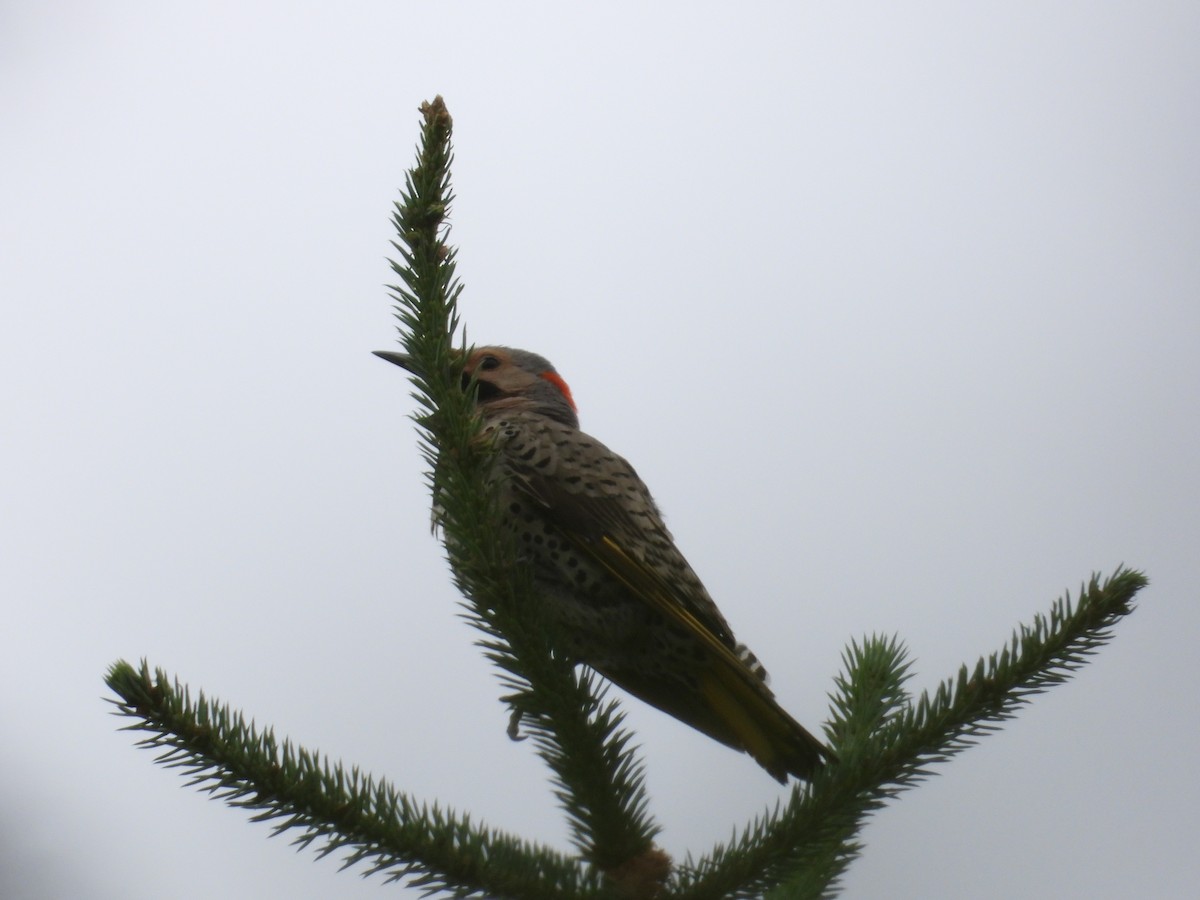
(896,308)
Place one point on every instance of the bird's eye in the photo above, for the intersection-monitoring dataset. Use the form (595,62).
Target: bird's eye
(488,363)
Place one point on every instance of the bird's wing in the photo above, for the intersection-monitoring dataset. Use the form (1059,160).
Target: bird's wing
(630,540)
(611,517)
(739,708)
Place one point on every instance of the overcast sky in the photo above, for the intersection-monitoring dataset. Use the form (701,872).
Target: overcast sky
(896,308)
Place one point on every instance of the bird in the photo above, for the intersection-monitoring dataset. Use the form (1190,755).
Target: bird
(624,599)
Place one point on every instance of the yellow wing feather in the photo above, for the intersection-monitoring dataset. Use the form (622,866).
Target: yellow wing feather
(734,692)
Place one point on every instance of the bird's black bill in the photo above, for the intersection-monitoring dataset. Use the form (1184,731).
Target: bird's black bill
(403,360)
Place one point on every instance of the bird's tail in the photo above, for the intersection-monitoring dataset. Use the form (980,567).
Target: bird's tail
(758,725)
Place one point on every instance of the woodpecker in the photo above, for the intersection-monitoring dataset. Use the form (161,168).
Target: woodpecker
(623,597)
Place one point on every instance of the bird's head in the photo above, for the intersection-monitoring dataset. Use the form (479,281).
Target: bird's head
(506,378)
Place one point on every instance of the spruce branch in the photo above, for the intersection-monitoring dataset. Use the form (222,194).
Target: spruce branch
(365,819)
(599,781)
(887,743)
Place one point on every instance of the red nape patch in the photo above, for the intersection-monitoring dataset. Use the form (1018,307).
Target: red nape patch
(555,379)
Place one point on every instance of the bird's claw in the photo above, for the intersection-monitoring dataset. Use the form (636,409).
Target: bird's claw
(514,727)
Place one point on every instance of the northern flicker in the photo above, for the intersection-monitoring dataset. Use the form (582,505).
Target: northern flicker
(624,597)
